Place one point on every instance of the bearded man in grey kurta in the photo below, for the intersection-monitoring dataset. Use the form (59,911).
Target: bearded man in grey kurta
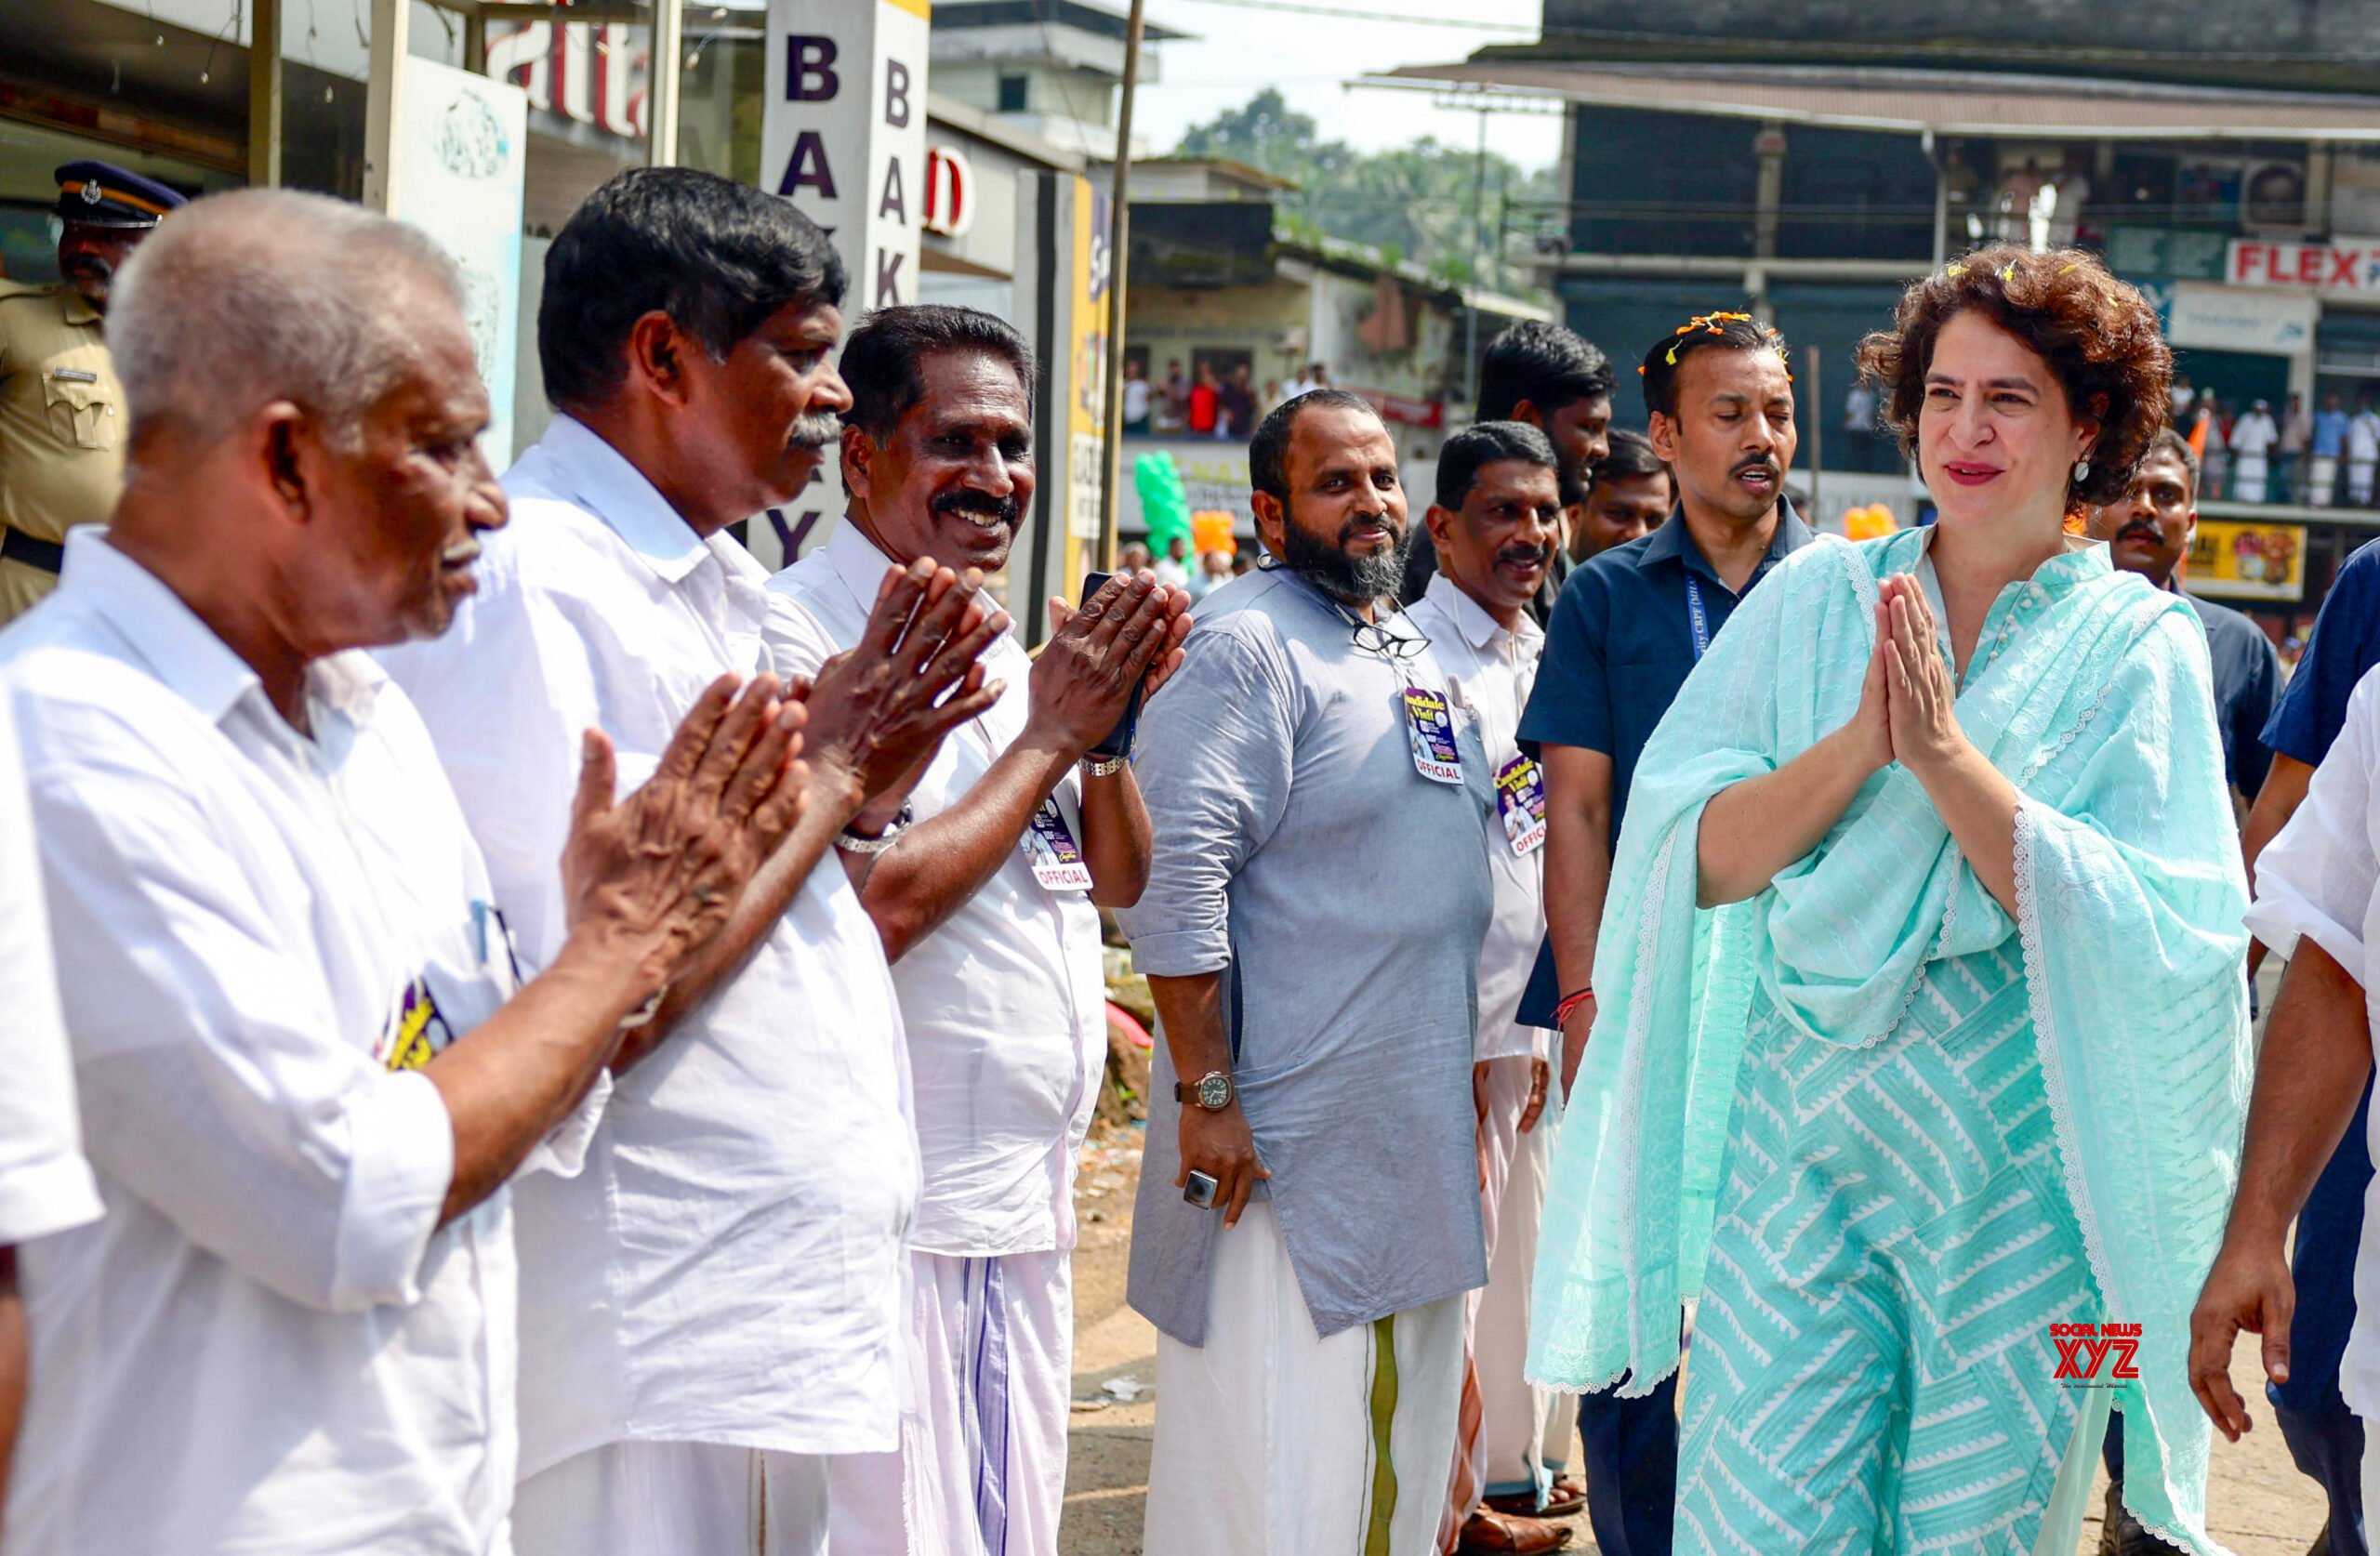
(1316,899)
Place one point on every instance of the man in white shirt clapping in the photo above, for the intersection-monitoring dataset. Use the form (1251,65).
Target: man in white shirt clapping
(988,906)
(306,1064)
(710,1310)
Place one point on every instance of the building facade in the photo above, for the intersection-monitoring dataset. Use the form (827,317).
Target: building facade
(1804,160)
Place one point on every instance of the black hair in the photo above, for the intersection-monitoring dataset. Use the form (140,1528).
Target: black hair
(1462,456)
(2168,441)
(1736,332)
(883,361)
(1632,455)
(719,257)
(1543,364)
(1268,451)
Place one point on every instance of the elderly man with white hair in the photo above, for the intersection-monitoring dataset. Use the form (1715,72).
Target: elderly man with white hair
(305,1063)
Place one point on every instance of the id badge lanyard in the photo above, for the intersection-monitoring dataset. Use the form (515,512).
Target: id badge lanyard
(1697,617)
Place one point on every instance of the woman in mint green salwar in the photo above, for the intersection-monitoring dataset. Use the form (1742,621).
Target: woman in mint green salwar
(1922,1028)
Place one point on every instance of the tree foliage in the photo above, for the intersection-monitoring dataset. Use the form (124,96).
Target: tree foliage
(1437,203)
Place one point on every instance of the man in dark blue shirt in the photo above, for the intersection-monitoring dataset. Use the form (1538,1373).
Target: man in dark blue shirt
(2325,1436)
(1628,627)
(2148,532)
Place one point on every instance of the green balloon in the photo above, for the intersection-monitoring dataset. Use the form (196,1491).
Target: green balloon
(1165,504)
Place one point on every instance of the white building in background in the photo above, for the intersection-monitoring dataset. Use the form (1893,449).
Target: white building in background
(1048,67)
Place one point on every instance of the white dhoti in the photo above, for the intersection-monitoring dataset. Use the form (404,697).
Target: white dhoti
(1271,1440)
(2248,483)
(1525,1431)
(1511,1437)
(673,1500)
(2359,482)
(982,1466)
(2324,480)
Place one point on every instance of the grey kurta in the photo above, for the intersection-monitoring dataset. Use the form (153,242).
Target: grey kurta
(1344,896)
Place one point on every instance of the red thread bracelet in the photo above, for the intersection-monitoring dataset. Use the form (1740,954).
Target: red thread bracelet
(1570,1003)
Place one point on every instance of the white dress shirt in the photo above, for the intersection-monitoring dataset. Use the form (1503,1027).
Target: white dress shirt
(728,1269)
(268,1343)
(1005,1003)
(1488,673)
(44,1183)
(2317,880)
(2364,436)
(2254,434)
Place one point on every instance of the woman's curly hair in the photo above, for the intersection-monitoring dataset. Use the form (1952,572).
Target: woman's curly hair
(2099,336)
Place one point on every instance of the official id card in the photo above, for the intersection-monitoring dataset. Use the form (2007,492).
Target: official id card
(1431,728)
(1520,797)
(1057,864)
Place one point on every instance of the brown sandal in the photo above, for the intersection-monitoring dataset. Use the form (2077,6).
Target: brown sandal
(1488,1530)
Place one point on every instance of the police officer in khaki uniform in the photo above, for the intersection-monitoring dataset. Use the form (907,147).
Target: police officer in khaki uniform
(61,411)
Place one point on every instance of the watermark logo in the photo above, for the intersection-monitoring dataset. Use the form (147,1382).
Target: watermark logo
(2096,1355)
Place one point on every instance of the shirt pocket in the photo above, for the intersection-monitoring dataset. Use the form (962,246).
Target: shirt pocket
(83,402)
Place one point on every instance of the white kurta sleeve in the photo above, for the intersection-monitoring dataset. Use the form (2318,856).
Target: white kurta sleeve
(2317,878)
(44,1183)
(215,1084)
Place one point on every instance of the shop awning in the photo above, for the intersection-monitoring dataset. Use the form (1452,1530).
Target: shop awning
(1913,102)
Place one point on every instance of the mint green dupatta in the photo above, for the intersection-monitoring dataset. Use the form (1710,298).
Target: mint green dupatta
(2091,691)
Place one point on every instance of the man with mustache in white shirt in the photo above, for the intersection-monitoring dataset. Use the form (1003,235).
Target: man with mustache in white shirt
(987,904)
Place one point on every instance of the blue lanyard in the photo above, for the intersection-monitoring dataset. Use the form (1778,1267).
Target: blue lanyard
(1697,617)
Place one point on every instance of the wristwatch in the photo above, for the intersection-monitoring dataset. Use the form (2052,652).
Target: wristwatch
(852,842)
(1212,1091)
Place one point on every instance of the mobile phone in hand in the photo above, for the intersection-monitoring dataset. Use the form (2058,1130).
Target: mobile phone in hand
(1118,741)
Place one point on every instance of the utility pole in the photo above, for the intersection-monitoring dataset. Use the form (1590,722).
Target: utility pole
(1118,237)
(661,84)
(264,96)
(1471,304)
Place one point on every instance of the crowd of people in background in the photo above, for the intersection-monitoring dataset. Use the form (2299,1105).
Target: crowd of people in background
(532,1033)
(1211,401)
(2247,450)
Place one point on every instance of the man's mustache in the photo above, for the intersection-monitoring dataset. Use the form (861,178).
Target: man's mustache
(1362,520)
(968,500)
(1757,462)
(815,431)
(90,265)
(1539,556)
(2143,529)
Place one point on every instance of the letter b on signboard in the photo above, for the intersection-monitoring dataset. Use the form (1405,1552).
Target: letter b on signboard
(809,70)
(896,94)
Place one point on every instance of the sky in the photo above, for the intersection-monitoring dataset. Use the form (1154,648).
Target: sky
(1240,49)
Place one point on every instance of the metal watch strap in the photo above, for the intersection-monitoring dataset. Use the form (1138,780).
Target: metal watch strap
(852,842)
(1105,767)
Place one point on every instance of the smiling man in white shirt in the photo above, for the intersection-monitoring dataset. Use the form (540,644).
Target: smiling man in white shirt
(1496,524)
(988,904)
(305,1066)
(710,1310)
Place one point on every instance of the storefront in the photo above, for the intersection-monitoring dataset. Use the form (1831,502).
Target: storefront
(164,88)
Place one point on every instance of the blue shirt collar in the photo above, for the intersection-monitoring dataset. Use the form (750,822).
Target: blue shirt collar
(1673,543)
